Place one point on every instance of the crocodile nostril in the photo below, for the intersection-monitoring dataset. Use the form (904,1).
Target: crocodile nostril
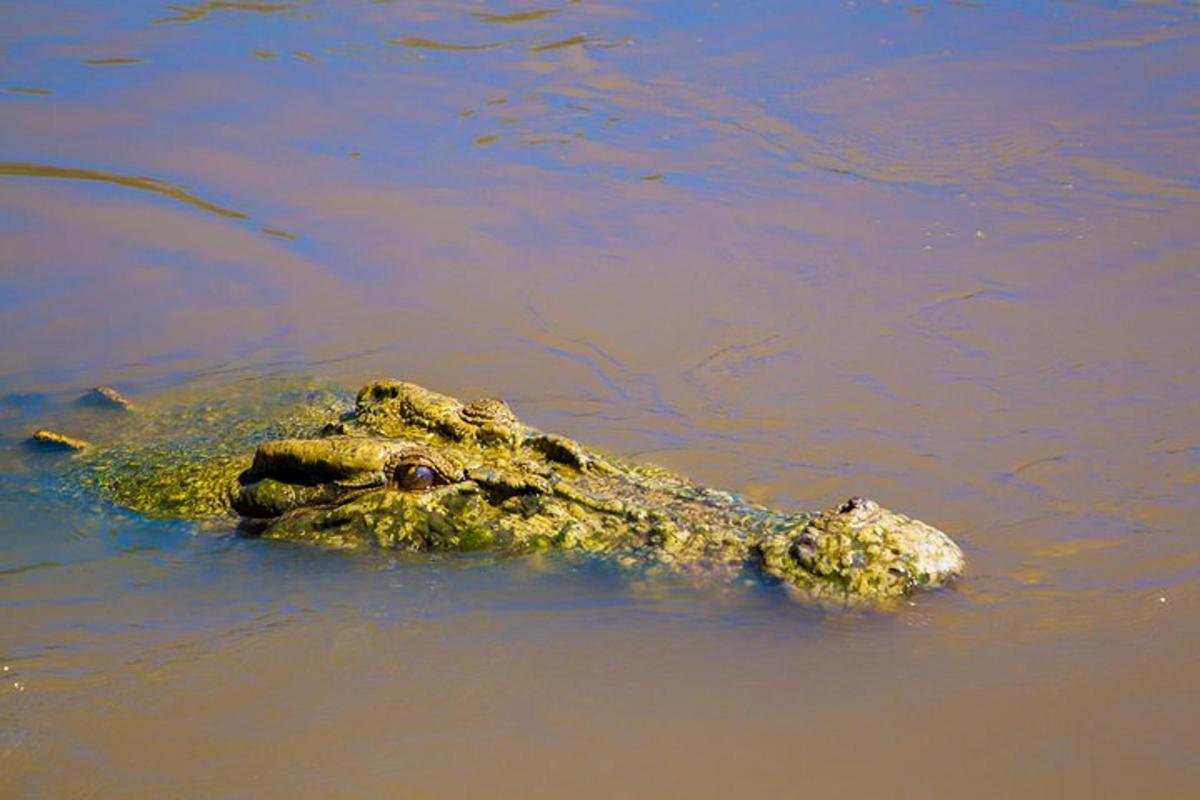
(858,504)
(807,540)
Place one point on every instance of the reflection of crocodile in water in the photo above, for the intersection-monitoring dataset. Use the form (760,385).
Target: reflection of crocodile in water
(410,469)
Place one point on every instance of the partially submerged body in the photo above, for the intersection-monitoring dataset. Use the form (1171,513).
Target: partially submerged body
(406,468)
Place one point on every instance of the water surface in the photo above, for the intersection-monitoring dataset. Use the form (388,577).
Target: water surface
(943,254)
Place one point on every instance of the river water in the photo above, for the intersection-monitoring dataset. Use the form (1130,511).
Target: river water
(945,254)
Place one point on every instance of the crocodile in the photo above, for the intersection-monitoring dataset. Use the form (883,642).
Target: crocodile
(405,468)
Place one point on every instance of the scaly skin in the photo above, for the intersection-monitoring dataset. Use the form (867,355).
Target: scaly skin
(410,469)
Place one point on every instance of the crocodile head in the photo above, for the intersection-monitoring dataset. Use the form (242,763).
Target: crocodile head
(412,469)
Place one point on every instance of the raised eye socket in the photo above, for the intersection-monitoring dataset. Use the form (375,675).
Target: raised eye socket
(416,477)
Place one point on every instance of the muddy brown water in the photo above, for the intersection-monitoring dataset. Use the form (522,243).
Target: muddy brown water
(943,254)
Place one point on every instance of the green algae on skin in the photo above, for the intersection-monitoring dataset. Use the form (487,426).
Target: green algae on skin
(182,462)
(180,490)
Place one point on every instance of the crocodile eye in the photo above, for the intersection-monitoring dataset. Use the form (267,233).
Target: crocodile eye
(416,477)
